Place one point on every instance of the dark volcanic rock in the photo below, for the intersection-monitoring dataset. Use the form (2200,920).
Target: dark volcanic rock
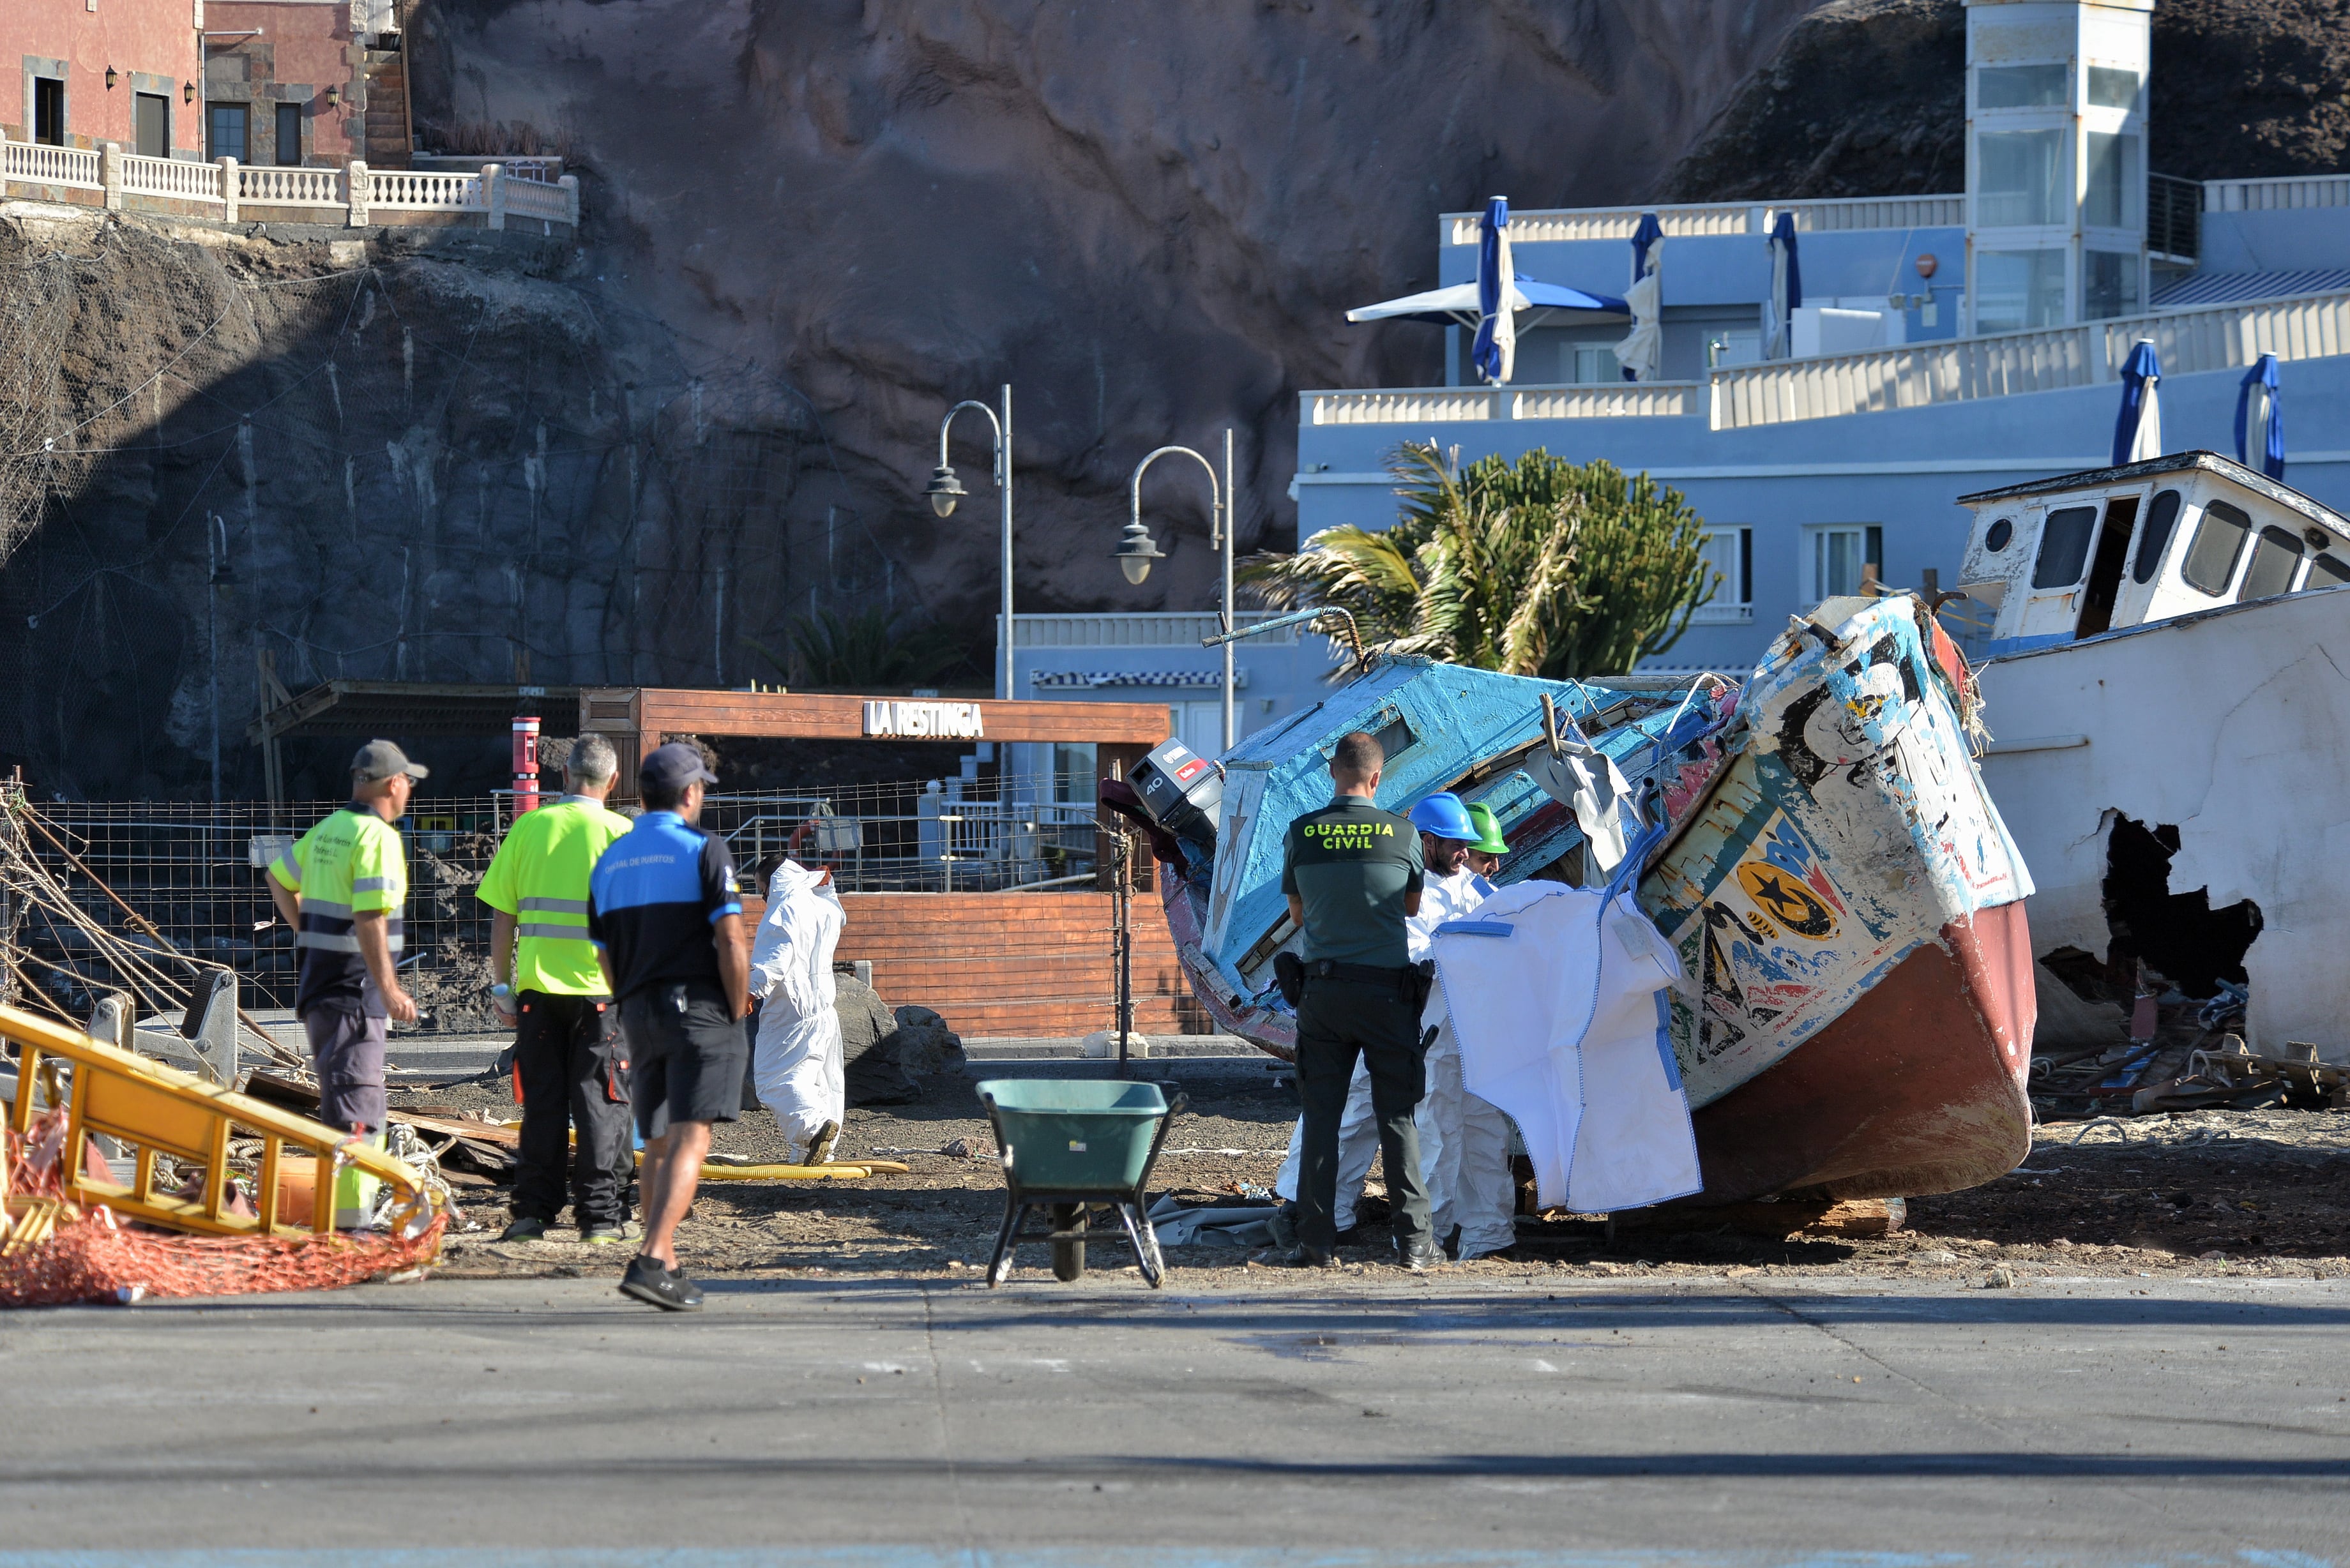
(1868,97)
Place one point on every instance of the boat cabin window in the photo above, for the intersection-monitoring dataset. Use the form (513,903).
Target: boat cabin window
(2160,518)
(2217,546)
(2063,547)
(1394,738)
(2327,571)
(2275,560)
(1995,538)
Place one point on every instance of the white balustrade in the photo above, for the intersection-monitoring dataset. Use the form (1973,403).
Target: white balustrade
(1608,400)
(37,163)
(285,186)
(2210,337)
(1534,226)
(418,189)
(171,177)
(531,199)
(2274,195)
(1432,405)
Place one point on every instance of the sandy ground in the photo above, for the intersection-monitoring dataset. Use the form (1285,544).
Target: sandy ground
(2258,1193)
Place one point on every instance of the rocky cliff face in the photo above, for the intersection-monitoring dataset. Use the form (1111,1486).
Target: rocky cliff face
(1870,96)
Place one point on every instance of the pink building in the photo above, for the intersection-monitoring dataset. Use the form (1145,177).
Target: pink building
(124,71)
(302,82)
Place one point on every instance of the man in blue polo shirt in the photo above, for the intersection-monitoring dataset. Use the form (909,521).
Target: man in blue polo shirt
(667,929)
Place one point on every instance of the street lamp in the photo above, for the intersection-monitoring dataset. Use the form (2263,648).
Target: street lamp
(944,490)
(1136,549)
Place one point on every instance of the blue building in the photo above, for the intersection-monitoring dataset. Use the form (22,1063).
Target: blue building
(1945,343)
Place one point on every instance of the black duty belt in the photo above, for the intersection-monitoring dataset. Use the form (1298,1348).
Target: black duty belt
(1365,973)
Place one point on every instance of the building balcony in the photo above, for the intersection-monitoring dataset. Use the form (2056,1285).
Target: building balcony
(350,196)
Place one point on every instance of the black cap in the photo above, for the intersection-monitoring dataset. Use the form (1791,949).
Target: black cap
(673,767)
(380,760)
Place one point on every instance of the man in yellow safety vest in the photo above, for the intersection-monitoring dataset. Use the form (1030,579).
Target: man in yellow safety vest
(342,889)
(571,1065)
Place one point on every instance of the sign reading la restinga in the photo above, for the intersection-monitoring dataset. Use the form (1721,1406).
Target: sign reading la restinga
(925,720)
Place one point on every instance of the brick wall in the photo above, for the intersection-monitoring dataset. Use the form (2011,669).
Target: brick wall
(1017,963)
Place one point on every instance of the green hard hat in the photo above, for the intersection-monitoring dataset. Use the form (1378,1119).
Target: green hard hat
(1489,829)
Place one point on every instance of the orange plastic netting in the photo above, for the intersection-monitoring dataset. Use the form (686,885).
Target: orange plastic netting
(92,1257)
(97,1260)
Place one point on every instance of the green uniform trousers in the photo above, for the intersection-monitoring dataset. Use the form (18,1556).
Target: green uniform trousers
(1337,1019)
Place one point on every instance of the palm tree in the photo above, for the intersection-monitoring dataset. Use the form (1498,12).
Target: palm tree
(1538,567)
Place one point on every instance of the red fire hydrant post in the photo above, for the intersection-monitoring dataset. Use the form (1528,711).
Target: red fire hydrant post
(525,765)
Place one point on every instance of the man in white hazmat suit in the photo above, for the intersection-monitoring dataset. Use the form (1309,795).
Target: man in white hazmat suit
(798,1066)
(1451,890)
(1464,1140)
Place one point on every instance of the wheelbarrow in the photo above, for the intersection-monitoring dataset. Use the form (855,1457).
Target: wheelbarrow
(1071,1146)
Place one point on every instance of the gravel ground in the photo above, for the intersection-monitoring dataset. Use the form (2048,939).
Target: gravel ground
(2250,1193)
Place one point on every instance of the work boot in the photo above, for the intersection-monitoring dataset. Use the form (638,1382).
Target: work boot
(1419,1255)
(820,1147)
(1302,1257)
(524,1227)
(1284,1226)
(649,1280)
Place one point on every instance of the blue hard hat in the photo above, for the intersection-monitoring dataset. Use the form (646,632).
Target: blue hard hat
(1442,815)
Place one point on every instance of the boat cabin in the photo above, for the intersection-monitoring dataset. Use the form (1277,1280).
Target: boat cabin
(2059,559)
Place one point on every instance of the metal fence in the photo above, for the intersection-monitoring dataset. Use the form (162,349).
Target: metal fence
(194,872)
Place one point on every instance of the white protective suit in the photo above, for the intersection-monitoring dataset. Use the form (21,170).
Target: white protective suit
(1565,1019)
(1441,899)
(798,1066)
(1464,1141)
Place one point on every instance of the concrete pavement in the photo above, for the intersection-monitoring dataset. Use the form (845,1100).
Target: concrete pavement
(1350,1420)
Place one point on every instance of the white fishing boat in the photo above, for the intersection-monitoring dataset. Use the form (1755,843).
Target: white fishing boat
(2168,691)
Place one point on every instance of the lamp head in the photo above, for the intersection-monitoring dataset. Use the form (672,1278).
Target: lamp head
(944,490)
(1136,550)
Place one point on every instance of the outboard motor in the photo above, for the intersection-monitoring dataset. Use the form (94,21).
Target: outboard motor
(1183,792)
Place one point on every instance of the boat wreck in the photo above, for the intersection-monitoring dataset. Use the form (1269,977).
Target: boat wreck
(2169,688)
(1856,1009)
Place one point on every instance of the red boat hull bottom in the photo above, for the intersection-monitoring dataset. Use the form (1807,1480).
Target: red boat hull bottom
(1918,1087)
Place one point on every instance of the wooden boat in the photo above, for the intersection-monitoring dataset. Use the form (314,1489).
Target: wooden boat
(1857,1018)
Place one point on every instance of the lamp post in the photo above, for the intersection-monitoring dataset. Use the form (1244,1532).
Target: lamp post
(1136,549)
(944,490)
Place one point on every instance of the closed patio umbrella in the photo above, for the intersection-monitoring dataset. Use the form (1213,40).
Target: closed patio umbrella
(1495,351)
(1642,353)
(1786,286)
(2259,384)
(2138,434)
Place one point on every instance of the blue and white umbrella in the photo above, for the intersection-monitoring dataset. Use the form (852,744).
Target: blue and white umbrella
(1457,306)
(2260,382)
(1495,351)
(2138,434)
(1642,353)
(1786,286)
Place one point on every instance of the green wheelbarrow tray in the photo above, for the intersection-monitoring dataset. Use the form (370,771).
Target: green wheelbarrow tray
(1070,1145)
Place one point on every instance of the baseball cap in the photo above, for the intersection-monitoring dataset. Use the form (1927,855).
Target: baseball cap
(379,760)
(674,767)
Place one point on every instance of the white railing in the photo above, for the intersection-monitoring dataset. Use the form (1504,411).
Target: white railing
(1142,629)
(40,164)
(2211,337)
(2271,196)
(1541,225)
(541,171)
(1430,405)
(171,177)
(283,185)
(1608,400)
(1453,405)
(424,190)
(530,199)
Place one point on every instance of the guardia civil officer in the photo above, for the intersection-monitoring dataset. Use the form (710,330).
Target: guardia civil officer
(1353,875)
